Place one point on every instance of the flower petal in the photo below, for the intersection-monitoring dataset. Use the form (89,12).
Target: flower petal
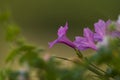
(62,37)
(51,44)
(63,30)
(83,43)
(100,29)
(88,34)
(97,37)
(115,34)
(63,40)
(80,42)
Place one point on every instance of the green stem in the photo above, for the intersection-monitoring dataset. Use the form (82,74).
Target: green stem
(90,67)
(79,54)
(94,65)
(97,68)
(65,59)
(94,70)
(97,72)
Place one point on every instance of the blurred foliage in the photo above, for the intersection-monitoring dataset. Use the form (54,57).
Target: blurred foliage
(109,57)
(102,65)
(32,58)
(12,32)
(4,16)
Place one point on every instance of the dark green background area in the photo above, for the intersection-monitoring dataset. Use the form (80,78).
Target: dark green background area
(40,19)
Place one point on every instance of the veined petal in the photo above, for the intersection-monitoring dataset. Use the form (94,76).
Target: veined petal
(63,30)
(97,37)
(100,29)
(82,43)
(87,41)
(88,34)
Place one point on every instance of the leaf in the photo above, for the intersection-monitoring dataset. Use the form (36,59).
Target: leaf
(2,76)
(4,16)
(103,55)
(12,55)
(12,32)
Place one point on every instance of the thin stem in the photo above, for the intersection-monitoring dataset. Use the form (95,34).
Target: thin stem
(97,67)
(95,71)
(94,65)
(79,54)
(100,75)
(65,59)
(89,67)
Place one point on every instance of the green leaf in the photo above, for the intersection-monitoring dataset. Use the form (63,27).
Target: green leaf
(102,56)
(4,16)
(12,32)
(2,76)
(12,55)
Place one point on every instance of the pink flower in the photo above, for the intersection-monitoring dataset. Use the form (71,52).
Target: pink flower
(62,38)
(85,42)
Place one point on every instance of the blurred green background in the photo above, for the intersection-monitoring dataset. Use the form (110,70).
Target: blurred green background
(40,19)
